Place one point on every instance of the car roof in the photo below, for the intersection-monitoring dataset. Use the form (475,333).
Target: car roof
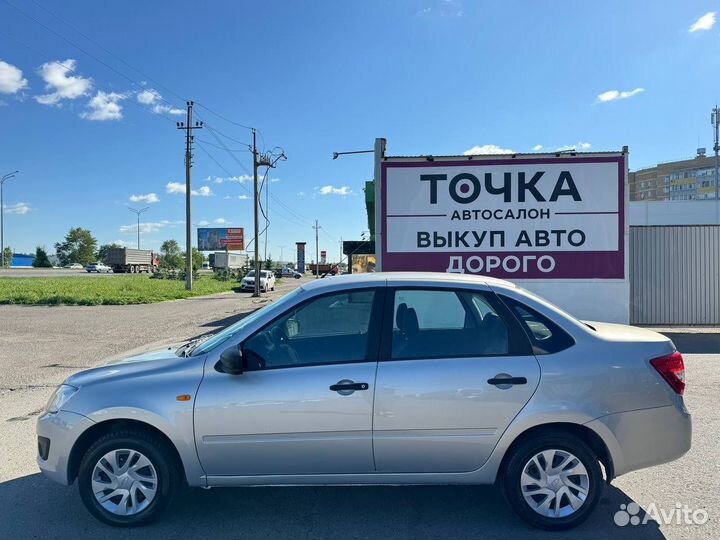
(383,278)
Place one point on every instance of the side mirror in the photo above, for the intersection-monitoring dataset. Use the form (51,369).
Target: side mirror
(231,361)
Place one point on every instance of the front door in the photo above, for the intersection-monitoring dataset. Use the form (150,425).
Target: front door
(304,406)
(440,404)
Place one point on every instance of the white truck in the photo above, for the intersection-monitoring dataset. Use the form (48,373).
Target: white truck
(227,260)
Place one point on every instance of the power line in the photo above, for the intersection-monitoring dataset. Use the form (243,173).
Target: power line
(107,51)
(208,109)
(221,148)
(42,52)
(70,42)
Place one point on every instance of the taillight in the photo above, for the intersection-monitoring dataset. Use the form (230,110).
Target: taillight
(672,369)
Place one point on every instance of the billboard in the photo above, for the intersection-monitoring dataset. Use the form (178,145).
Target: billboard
(547,217)
(300,257)
(221,238)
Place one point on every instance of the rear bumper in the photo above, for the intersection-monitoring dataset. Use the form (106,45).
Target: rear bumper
(62,430)
(646,437)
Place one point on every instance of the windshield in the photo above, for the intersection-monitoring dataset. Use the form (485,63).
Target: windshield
(251,273)
(230,331)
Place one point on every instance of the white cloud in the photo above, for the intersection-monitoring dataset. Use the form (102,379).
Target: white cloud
(614,95)
(167,109)
(332,190)
(18,209)
(148,97)
(704,23)
(487,149)
(11,79)
(580,146)
(177,188)
(232,179)
(153,99)
(273,180)
(150,198)
(149,227)
(221,221)
(243,197)
(61,84)
(537,147)
(301,194)
(104,106)
(203,223)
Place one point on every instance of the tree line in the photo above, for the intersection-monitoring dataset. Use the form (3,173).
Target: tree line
(80,246)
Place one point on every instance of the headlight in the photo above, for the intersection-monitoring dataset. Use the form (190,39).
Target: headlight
(63,393)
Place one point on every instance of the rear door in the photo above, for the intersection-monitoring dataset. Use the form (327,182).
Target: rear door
(441,402)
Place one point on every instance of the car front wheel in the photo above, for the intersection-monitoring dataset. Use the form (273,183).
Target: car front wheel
(553,481)
(126,479)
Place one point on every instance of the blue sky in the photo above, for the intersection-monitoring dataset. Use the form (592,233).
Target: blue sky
(432,76)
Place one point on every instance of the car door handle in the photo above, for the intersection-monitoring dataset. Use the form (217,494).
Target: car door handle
(499,381)
(349,386)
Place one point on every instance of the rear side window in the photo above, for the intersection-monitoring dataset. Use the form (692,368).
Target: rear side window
(546,336)
(430,323)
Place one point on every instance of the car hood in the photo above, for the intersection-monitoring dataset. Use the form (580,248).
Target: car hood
(149,363)
(624,332)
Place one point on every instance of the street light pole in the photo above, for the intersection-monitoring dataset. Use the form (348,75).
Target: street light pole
(8,176)
(715,121)
(137,213)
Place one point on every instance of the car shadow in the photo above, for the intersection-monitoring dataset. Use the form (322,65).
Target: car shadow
(34,507)
(226,321)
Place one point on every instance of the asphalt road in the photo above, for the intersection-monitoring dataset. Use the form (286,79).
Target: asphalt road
(40,346)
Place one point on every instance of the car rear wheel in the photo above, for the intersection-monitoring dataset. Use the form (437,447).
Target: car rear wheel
(553,481)
(126,479)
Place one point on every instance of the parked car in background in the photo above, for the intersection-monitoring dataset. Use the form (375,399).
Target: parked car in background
(267,281)
(287,272)
(98,267)
(74,266)
(381,378)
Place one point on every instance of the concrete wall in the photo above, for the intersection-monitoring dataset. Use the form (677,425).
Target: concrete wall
(675,212)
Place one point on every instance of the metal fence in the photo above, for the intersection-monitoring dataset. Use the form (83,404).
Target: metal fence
(675,275)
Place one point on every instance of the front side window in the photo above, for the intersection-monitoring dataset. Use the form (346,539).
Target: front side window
(329,329)
(446,324)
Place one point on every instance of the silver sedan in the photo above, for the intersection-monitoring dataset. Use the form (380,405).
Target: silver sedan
(394,378)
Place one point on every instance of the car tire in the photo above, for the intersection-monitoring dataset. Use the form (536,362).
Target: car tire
(572,497)
(164,473)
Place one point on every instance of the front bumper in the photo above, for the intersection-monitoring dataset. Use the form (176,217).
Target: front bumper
(62,429)
(646,437)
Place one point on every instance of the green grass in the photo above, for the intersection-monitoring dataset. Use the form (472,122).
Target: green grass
(114,290)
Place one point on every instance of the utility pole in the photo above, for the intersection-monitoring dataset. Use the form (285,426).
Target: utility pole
(259,160)
(317,251)
(189,127)
(341,252)
(267,213)
(282,248)
(715,121)
(138,212)
(8,176)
